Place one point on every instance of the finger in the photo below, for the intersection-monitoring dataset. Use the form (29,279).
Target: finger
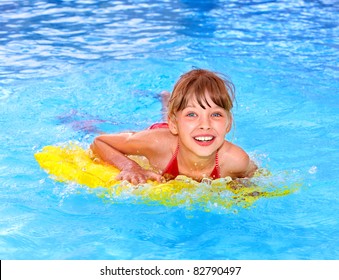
(119,177)
(138,179)
(126,177)
(157,177)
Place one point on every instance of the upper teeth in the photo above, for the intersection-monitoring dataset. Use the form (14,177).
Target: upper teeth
(204,138)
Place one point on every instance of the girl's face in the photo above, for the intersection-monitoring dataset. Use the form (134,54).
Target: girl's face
(201,131)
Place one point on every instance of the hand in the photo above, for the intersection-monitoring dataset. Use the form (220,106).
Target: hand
(139,176)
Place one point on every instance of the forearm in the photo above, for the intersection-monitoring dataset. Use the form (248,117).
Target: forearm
(129,169)
(112,156)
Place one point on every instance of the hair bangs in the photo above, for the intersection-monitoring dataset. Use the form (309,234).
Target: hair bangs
(200,84)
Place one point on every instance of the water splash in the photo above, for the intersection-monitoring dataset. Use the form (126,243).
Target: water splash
(72,163)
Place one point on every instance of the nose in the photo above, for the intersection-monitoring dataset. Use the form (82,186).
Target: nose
(205,123)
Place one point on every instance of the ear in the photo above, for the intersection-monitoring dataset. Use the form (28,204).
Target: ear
(172,125)
(229,123)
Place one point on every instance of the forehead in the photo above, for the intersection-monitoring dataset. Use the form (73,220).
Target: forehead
(204,101)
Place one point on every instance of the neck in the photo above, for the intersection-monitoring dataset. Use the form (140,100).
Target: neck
(195,167)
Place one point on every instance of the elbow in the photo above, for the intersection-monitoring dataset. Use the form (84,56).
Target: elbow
(92,147)
(95,144)
(252,168)
(247,170)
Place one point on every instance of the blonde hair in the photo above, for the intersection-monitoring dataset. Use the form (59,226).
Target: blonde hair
(195,84)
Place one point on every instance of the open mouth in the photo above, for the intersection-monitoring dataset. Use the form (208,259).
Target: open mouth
(204,138)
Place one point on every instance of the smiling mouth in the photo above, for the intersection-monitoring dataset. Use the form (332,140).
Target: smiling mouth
(204,138)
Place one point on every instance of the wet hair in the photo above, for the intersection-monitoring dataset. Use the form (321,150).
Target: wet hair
(195,84)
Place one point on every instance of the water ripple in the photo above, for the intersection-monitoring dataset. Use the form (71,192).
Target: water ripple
(4,94)
(48,35)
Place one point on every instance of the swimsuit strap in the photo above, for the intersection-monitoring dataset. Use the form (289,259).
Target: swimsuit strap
(216,171)
(172,167)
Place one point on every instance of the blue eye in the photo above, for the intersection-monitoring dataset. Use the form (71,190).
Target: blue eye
(216,115)
(191,114)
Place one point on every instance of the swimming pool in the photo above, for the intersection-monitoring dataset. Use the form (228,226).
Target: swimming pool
(72,68)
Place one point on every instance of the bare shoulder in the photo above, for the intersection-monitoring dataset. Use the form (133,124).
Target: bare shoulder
(141,142)
(158,139)
(235,162)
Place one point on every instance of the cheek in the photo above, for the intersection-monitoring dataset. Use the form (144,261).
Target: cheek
(185,126)
(223,128)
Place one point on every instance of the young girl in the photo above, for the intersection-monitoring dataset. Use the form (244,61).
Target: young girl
(191,143)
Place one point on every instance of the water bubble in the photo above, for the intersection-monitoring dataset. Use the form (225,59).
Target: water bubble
(313,170)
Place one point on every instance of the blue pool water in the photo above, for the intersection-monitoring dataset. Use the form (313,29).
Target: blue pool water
(72,68)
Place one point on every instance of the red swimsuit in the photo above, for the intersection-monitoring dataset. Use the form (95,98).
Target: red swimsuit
(172,167)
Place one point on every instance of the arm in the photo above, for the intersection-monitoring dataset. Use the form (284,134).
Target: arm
(244,166)
(250,169)
(113,148)
(238,163)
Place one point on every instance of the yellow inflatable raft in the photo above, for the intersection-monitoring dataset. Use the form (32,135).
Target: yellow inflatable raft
(72,163)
